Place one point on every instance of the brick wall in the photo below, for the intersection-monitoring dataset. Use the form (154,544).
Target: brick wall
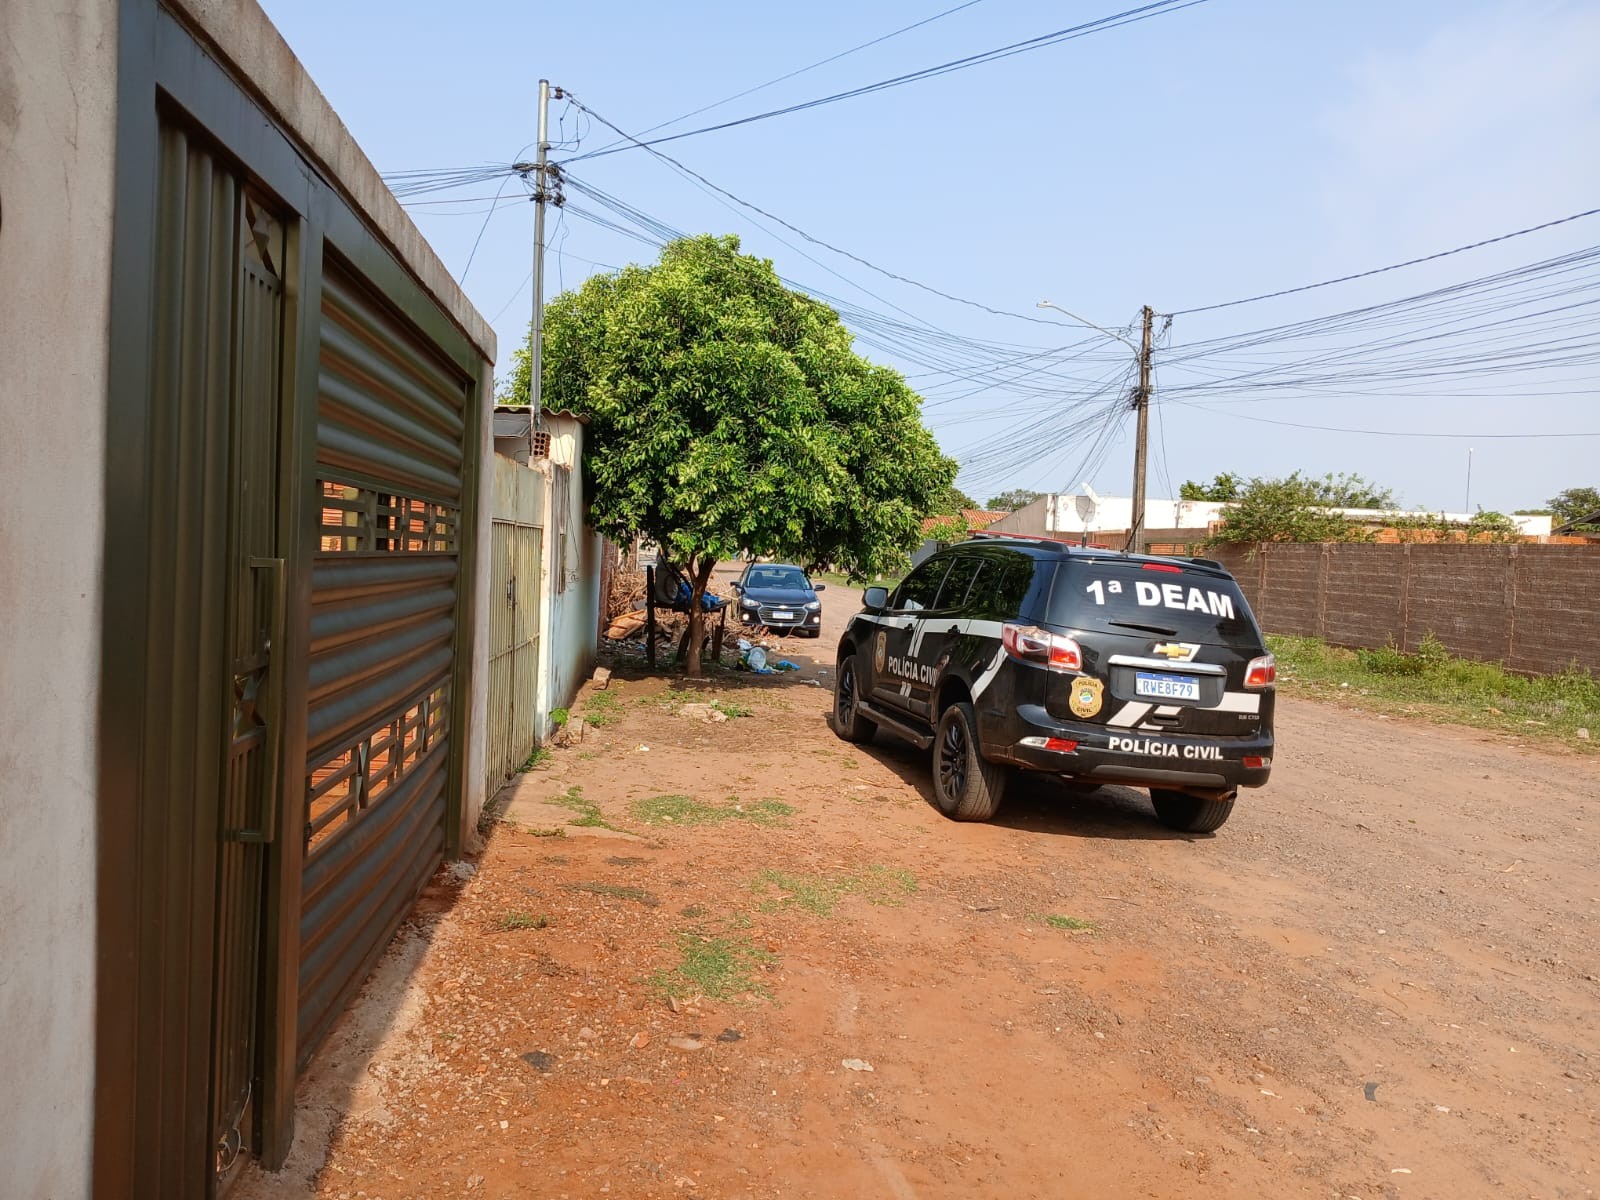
(1534,608)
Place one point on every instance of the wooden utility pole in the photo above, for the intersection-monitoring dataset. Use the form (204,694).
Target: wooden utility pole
(1141,402)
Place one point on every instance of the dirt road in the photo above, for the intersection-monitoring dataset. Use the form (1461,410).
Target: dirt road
(1378,980)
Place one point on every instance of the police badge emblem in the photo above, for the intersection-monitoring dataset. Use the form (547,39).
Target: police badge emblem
(880,653)
(1086,695)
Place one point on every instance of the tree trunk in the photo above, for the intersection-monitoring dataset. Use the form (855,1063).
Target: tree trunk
(699,577)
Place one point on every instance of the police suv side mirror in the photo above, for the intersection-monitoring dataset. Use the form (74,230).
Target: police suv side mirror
(875,598)
(737,587)
(819,587)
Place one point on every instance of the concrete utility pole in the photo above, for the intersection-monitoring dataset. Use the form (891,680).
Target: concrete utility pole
(541,195)
(1141,402)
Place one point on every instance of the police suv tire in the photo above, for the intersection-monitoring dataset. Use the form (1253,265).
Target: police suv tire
(966,786)
(1190,814)
(849,724)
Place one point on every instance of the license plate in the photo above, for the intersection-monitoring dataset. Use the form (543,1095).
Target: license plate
(1166,687)
(783,616)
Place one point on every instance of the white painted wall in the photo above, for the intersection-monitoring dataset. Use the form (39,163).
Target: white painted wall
(1057,515)
(58,73)
(571,637)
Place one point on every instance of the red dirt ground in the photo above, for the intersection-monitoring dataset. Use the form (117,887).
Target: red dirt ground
(1378,980)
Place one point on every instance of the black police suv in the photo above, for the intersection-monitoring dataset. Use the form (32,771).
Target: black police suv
(1102,667)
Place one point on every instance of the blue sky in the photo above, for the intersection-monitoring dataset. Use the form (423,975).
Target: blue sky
(1233,148)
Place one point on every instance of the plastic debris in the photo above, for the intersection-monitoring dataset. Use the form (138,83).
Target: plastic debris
(856,1064)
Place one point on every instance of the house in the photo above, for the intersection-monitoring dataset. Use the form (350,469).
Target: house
(547,454)
(246,550)
(1083,517)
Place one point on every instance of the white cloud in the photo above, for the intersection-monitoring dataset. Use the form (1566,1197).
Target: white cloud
(1492,121)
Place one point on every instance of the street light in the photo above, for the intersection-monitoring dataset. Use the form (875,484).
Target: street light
(1141,403)
(1088,324)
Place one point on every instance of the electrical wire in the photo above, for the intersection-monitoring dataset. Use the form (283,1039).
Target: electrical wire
(1410,262)
(1071,33)
(832,58)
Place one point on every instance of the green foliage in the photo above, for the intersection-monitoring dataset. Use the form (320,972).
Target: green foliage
(517,919)
(559,717)
(819,894)
(716,967)
(1485,526)
(602,709)
(1011,501)
(540,756)
(687,811)
(1349,491)
(1225,486)
(732,708)
(1058,920)
(948,529)
(1574,502)
(1488,525)
(588,811)
(1293,509)
(729,415)
(1433,683)
(953,501)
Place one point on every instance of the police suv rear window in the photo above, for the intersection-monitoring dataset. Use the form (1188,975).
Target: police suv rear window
(1132,598)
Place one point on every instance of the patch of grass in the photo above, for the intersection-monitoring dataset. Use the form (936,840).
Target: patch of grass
(686,811)
(1061,921)
(819,894)
(732,708)
(717,967)
(602,709)
(532,832)
(1434,684)
(837,580)
(617,891)
(540,756)
(588,811)
(517,919)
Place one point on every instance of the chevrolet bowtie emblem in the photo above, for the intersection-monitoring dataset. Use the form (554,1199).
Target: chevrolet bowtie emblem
(1178,651)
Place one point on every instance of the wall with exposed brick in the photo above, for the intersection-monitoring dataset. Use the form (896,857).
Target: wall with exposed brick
(1532,607)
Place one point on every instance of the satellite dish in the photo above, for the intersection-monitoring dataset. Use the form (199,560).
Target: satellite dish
(1086,505)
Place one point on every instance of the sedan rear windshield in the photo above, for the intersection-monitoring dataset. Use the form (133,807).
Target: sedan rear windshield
(1134,598)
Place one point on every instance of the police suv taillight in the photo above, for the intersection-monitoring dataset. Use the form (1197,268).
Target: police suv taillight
(1032,644)
(1262,672)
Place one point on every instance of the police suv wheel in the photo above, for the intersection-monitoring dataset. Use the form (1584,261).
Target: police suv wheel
(848,722)
(966,787)
(1190,814)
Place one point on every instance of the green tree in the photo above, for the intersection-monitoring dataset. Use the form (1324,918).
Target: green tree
(1293,509)
(1011,501)
(1488,525)
(1574,502)
(1224,487)
(729,415)
(952,503)
(1349,491)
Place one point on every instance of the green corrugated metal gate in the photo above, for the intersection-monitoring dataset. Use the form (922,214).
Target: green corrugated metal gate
(390,448)
(291,518)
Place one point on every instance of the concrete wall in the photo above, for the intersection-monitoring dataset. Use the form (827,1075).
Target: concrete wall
(1533,608)
(58,72)
(567,650)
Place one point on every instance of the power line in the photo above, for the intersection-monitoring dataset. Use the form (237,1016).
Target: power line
(1388,432)
(1072,32)
(816,241)
(1411,262)
(822,62)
